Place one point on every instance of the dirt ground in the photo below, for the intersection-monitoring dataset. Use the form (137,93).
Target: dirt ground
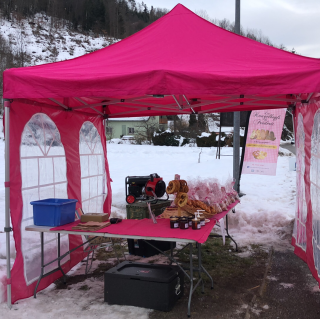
(251,283)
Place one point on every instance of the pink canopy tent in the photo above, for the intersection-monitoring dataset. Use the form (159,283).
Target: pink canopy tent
(181,64)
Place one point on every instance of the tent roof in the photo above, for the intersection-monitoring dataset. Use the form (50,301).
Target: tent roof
(189,60)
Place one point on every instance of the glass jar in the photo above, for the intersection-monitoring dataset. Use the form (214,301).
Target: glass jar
(174,222)
(196,224)
(190,218)
(184,223)
(202,221)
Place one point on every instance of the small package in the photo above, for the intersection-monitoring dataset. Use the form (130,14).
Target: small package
(94,217)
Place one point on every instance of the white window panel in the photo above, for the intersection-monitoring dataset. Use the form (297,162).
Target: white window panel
(315,189)
(43,174)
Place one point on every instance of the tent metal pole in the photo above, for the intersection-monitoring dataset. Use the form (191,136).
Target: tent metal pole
(7,227)
(236,119)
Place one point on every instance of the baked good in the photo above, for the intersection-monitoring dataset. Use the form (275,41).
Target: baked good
(259,154)
(263,135)
(258,132)
(181,199)
(272,137)
(183,186)
(173,187)
(253,135)
(267,135)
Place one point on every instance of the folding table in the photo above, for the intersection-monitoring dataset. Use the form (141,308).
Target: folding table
(143,229)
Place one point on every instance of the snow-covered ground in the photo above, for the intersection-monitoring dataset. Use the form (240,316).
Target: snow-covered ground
(264,216)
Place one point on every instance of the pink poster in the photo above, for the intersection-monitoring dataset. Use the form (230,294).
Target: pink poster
(262,145)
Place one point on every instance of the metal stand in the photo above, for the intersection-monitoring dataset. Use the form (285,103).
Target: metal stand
(227,230)
(43,265)
(7,228)
(59,258)
(200,269)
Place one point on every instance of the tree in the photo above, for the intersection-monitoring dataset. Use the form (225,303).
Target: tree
(145,129)
(193,120)
(6,62)
(202,124)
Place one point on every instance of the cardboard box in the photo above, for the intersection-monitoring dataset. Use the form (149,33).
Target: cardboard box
(94,217)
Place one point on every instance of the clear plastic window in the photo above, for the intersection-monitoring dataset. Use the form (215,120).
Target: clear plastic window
(93,173)
(301,206)
(315,189)
(43,173)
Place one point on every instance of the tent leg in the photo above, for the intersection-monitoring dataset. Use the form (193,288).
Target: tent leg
(7,227)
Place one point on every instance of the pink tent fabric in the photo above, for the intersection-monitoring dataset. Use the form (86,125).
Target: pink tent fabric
(179,54)
(69,126)
(178,65)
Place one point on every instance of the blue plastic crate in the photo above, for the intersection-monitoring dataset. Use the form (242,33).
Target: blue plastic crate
(53,211)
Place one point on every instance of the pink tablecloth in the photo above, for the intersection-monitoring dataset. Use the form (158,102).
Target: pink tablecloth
(146,228)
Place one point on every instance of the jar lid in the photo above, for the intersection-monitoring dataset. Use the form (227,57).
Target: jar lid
(174,219)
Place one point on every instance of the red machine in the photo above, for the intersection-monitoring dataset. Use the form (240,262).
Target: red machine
(144,187)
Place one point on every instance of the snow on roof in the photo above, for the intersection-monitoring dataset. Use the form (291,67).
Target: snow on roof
(130,119)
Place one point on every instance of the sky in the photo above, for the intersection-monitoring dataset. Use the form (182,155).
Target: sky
(292,23)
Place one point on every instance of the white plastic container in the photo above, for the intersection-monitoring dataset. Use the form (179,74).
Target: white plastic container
(292,164)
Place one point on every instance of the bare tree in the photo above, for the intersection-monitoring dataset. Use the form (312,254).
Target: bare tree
(20,49)
(145,130)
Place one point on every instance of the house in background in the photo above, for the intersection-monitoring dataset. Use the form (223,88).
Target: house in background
(137,127)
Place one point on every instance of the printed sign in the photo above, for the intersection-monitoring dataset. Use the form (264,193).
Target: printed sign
(262,145)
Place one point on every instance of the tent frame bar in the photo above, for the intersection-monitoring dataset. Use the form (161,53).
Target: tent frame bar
(59,103)
(7,227)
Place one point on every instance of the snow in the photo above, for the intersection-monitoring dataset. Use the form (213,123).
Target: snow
(48,40)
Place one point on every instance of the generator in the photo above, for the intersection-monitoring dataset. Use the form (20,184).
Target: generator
(144,188)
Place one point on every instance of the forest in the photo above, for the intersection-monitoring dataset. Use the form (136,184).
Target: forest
(115,18)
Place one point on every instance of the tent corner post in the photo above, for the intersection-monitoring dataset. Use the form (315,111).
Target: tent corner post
(7,228)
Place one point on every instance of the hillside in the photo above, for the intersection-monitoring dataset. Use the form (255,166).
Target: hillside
(39,40)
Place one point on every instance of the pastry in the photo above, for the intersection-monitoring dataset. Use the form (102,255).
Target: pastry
(272,137)
(181,199)
(183,186)
(253,135)
(259,154)
(258,134)
(267,135)
(173,187)
(263,135)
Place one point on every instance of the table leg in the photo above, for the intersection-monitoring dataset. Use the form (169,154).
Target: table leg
(200,269)
(59,266)
(227,230)
(42,267)
(191,280)
(171,252)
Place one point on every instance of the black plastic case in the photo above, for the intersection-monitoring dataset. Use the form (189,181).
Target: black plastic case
(139,247)
(144,285)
